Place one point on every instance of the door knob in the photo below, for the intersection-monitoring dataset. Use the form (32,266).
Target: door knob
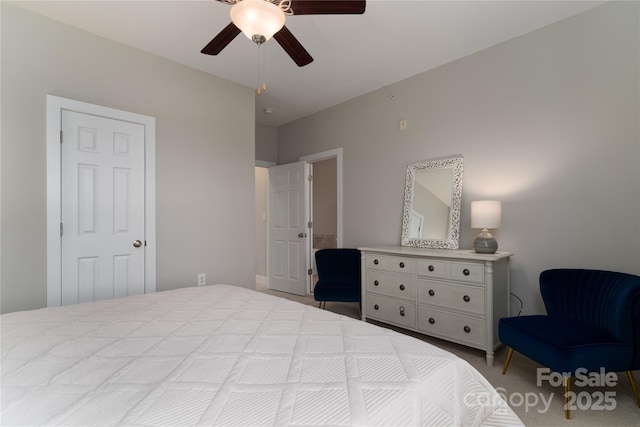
(137,243)
(302,235)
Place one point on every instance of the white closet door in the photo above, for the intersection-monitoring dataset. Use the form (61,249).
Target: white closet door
(102,208)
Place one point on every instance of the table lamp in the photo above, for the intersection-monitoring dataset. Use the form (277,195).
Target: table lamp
(486,214)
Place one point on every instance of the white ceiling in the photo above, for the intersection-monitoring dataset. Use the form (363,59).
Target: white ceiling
(353,54)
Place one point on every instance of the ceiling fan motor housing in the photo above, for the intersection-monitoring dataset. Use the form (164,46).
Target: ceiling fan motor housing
(259,20)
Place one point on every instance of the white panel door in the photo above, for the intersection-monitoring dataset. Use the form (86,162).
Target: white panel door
(288,232)
(102,208)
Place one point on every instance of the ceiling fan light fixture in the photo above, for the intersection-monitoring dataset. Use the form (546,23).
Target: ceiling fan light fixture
(259,20)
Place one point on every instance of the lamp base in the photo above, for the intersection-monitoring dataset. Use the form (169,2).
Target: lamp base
(485,243)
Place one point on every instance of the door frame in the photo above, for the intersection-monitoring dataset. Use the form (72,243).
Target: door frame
(55,106)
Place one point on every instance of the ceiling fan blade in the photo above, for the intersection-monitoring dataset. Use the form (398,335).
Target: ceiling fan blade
(220,41)
(328,7)
(292,46)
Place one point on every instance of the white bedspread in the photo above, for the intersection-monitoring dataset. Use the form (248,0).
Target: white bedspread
(224,355)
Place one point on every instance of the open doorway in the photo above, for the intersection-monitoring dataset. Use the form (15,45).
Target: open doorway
(324,209)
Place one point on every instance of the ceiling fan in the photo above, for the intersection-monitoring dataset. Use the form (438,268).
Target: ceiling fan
(260,20)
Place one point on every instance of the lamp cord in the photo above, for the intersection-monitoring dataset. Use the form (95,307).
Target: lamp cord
(520,300)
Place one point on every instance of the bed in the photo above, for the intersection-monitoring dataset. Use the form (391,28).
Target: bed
(225,355)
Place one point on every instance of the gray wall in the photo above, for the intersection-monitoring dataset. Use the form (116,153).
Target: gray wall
(548,123)
(205,140)
(266,143)
(261,214)
(266,151)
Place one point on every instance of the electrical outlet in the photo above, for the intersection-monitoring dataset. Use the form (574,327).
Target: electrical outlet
(202,279)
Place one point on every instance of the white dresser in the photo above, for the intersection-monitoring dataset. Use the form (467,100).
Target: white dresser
(456,295)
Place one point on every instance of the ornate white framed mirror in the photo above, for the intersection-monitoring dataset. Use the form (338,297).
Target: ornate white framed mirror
(432,198)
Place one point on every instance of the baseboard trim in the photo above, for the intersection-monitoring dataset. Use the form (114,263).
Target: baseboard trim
(261,280)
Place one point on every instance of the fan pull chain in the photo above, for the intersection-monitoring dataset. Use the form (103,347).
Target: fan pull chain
(262,83)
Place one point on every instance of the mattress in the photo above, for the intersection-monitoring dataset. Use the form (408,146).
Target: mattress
(225,355)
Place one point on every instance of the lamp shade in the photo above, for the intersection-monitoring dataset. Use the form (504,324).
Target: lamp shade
(257,18)
(486,214)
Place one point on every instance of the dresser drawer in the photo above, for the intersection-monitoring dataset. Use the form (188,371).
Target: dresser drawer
(402,265)
(398,312)
(451,326)
(397,286)
(459,297)
(396,264)
(433,268)
(377,261)
(471,272)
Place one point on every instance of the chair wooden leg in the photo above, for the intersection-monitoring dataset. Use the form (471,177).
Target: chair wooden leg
(320,304)
(567,393)
(360,310)
(507,361)
(633,387)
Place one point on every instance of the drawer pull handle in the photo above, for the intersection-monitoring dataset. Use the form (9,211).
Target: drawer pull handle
(401,265)
(401,311)
(376,307)
(467,329)
(431,268)
(465,272)
(466,298)
(375,261)
(431,293)
(375,283)
(402,287)
(432,320)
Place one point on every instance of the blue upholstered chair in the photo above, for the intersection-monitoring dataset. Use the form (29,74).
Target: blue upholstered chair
(592,323)
(338,276)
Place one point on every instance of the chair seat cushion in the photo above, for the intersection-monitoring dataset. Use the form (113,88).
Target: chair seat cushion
(565,345)
(336,289)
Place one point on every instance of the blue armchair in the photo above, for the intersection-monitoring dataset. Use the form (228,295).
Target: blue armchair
(338,276)
(592,324)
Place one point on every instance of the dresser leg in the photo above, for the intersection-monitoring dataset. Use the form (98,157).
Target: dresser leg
(489,359)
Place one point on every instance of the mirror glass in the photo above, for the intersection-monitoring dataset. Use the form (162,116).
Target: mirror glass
(433,193)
